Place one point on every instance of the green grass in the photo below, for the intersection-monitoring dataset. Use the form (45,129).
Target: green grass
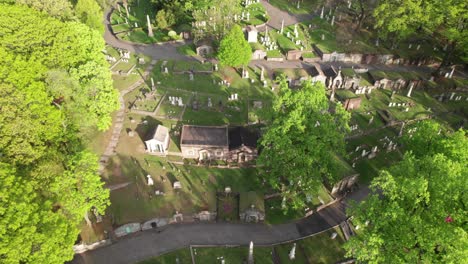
(227,207)
(305,7)
(232,255)
(183,256)
(274,54)
(123,82)
(139,35)
(138,11)
(257,15)
(274,214)
(137,203)
(192,65)
(317,249)
(188,49)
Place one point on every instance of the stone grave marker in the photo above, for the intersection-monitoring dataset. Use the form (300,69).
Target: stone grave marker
(177,185)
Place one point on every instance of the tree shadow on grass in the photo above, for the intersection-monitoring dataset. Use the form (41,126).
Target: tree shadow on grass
(147,127)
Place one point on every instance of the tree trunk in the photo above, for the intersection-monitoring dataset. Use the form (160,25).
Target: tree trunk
(86,217)
(361,15)
(447,57)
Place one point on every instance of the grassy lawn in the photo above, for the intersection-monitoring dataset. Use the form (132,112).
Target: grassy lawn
(274,214)
(227,207)
(317,249)
(123,82)
(369,168)
(274,54)
(139,32)
(257,15)
(188,49)
(137,201)
(181,256)
(231,255)
(305,7)
(336,38)
(191,66)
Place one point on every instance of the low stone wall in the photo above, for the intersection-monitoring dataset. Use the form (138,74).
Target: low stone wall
(274,59)
(311,60)
(80,248)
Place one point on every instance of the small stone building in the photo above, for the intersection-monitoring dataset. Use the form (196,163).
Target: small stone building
(251,207)
(352,103)
(316,74)
(259,54)
(159,143)
(236,144)
(334,78)
(252,34)
(204,48)
(345,184)
(294,55)
(204,142)
(242,144)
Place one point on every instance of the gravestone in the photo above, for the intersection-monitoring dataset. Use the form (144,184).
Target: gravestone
(333,236)
(150,180)
(150,28)
(292,253)
(177,185)
(191,76)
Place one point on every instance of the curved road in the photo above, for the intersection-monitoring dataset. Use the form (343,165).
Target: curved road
(148,244)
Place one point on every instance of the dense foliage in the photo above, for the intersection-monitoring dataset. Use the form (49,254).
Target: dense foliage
(54,82)
(420,214)
(216,20)
(300,144)
(446,20)
(234,50)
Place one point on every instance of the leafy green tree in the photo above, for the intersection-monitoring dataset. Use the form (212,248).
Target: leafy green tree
(55,8)
(31,232)
(51,44)
(54,82)
(443,20)
(361,10)
(234,50)
(165,19)
(216,21)
(300,145)
(90,13)
(419,215)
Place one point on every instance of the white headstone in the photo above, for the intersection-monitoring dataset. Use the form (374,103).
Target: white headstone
(150,180)
(292,253)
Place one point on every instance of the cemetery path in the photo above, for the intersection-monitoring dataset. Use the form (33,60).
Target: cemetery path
(277,15)
(119,119)
(152,243)
(155,51)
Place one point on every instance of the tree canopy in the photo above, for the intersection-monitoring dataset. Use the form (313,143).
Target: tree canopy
(302,140)
(234,50)
(216,20)
(54,82)
(446,21)
(420,214)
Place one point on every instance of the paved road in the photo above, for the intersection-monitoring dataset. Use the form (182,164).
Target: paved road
(147,244)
